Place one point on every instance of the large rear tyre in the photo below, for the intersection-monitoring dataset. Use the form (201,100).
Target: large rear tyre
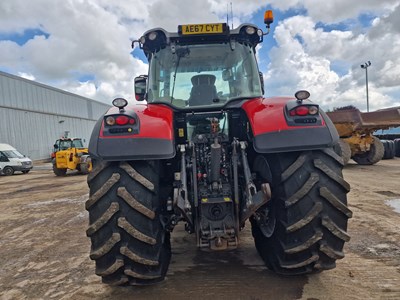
(309,212)
(371,157)
(344,150)
(129,243)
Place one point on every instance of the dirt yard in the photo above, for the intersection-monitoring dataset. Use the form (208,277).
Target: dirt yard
(44,252)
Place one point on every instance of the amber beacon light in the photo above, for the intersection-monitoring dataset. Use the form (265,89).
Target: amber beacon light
(268,17)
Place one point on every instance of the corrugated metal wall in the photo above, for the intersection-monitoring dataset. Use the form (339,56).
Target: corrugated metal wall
(33,115)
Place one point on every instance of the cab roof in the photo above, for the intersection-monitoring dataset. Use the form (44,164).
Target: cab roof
(155,39)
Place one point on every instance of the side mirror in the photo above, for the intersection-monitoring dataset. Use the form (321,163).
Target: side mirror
(262,81)
(140,87)
(55,146)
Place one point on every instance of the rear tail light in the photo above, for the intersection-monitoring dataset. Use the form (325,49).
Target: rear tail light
(301,111)
(304,110)
(120,120)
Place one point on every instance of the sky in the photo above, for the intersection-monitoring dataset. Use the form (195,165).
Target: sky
(84,46)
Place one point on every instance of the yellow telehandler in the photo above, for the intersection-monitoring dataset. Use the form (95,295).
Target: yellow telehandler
(70,154)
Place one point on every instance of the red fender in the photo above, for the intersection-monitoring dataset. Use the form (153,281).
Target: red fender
(267,115)
(156,121)
(151,136)
(273,133)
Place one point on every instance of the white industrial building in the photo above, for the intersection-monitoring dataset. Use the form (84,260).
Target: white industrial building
(34,115)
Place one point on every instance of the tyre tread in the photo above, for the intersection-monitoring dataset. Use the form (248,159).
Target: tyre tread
(334,229)
(137,176)
(135,204)
(103,219)
(332,253)
(305,245)
(106,247)
(311,215)
(135,233)
(304,190)
(137,258)
(300,264)
(318,163)
(332,199)
(293,167)
(119,263)
(132,273)
(114,178)
(99,167)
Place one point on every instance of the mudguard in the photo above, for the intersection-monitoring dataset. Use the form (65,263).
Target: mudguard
(274,131)
(150,137)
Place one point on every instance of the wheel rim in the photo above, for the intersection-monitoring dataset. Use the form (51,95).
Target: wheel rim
(267,221)
(8,171)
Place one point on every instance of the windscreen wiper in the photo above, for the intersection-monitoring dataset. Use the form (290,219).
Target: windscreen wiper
(181,52)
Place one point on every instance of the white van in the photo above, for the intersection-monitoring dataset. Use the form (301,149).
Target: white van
(11,160)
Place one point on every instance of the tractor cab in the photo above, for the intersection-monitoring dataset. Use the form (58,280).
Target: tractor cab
(201,66)
(65,143)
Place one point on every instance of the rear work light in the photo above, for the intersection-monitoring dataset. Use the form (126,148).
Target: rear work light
(304,110)
(250,30)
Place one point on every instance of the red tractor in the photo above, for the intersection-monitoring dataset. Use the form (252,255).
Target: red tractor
(208,150)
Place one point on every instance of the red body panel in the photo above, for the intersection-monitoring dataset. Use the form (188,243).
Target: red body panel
(267,115)
(156,121)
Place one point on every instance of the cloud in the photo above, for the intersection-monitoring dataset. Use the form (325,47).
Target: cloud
(26,76)
(338,10)
(86,45)
(305,55)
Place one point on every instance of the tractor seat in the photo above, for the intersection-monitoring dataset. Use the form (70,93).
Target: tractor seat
(203,91)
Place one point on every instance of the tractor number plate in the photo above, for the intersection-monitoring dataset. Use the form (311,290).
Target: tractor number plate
(201,28)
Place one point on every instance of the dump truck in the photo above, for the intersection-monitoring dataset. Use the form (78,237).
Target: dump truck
(203,147)
(70,154)
(356,130)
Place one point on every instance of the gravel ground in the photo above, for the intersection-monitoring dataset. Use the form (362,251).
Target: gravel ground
(44,252)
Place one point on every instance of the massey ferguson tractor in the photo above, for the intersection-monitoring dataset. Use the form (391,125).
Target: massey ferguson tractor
(207,149)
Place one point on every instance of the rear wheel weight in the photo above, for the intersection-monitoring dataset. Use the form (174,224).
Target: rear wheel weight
(128,241)
(309,197)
